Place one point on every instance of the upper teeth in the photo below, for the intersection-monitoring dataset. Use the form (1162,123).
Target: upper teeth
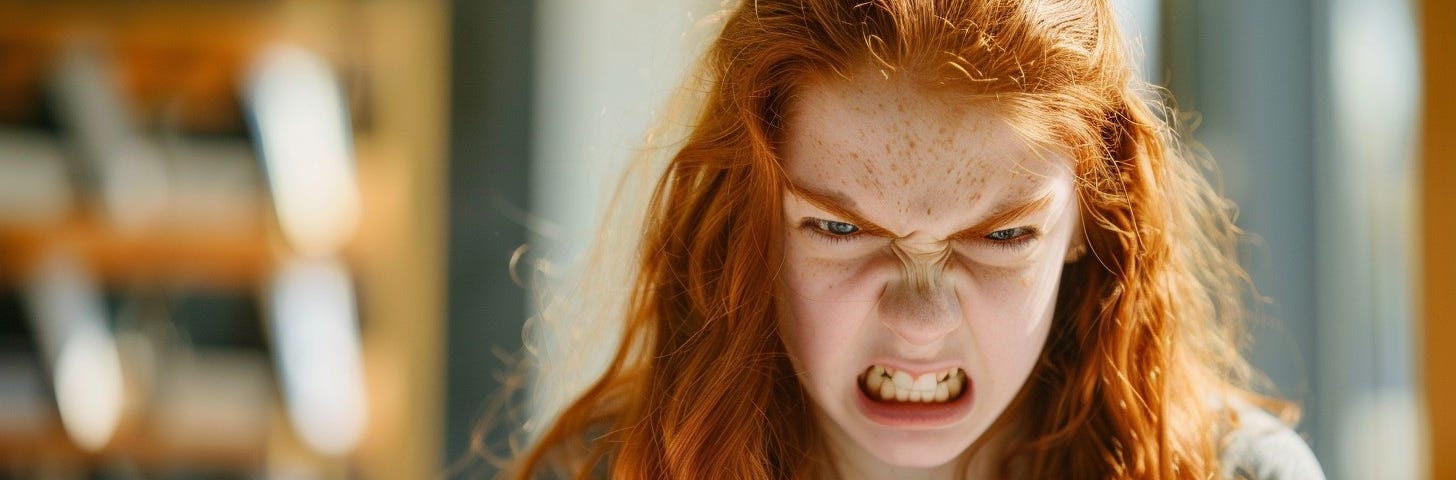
(938,386)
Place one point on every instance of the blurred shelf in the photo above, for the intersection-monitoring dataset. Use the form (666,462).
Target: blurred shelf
(142,448)
(217,408)
(179,63)
(220,257)
(234,246)
(180,58)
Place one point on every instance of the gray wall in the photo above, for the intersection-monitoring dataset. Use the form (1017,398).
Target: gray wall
(1308,108)
(490,151)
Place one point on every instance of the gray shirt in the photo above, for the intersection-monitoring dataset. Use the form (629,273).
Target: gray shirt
(1263,448)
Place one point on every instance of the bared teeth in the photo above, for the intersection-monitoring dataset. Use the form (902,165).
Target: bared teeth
(903,381)
(874,378)
(924,383)
(887,384)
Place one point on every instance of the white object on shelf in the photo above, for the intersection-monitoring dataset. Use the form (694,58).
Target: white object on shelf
(300,124)
(129,173)
(314,327)
(69,320)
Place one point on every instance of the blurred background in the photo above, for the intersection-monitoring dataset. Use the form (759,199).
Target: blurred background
(273,238)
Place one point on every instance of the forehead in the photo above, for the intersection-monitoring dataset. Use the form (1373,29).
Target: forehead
(899,150)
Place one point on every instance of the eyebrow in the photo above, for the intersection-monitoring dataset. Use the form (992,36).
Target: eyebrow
(841,205)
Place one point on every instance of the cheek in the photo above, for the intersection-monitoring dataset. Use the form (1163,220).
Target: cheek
(852,272)
(1016,306)
(823,303)
(1015,311)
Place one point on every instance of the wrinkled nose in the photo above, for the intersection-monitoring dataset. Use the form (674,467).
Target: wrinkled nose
(920,316)
(919,306)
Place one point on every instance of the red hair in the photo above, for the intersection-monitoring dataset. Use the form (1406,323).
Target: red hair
(1142,349)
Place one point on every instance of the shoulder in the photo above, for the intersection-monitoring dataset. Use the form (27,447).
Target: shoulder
(1263,448)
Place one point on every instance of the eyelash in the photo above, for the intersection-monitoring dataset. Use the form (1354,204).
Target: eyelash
(820,228)
(1025,236)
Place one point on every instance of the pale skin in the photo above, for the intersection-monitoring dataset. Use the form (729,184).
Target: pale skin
(920,230)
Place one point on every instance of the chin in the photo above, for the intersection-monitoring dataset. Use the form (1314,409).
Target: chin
(923,450)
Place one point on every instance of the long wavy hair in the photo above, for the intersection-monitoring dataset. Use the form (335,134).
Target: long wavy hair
(1142,352)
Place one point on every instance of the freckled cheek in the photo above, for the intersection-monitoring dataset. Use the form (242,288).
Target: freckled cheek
(1010,314)
(824,304)
(1018,293)
(826,275)
(819,334)
(819,331)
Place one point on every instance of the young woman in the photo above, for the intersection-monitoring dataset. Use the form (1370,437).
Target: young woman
(927,239)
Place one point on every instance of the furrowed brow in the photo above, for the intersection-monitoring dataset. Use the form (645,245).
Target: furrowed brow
(839,204)
(1003,216)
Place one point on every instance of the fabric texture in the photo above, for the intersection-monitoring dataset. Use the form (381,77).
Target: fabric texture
(1263,448)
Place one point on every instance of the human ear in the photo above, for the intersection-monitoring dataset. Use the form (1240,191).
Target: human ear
(1078,248)
(1076,251)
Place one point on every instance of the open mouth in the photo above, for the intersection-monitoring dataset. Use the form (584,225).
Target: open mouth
(887,385)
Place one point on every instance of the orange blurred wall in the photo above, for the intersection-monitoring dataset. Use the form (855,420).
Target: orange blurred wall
(1439,229)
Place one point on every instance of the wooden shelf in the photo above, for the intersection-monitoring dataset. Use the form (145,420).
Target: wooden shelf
(218,258)
(179,63)
(233,254)
(178,60)
(138,446)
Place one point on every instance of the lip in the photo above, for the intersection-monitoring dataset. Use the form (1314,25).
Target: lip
(915,415)
(915,370)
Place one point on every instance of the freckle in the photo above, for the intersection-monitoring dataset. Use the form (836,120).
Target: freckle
(865,183)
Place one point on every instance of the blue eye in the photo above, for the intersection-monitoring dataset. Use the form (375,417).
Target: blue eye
(1011,236)
(838,228)
(830,230)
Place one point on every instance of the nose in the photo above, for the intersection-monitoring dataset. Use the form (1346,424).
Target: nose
(920,305)
(919,315)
